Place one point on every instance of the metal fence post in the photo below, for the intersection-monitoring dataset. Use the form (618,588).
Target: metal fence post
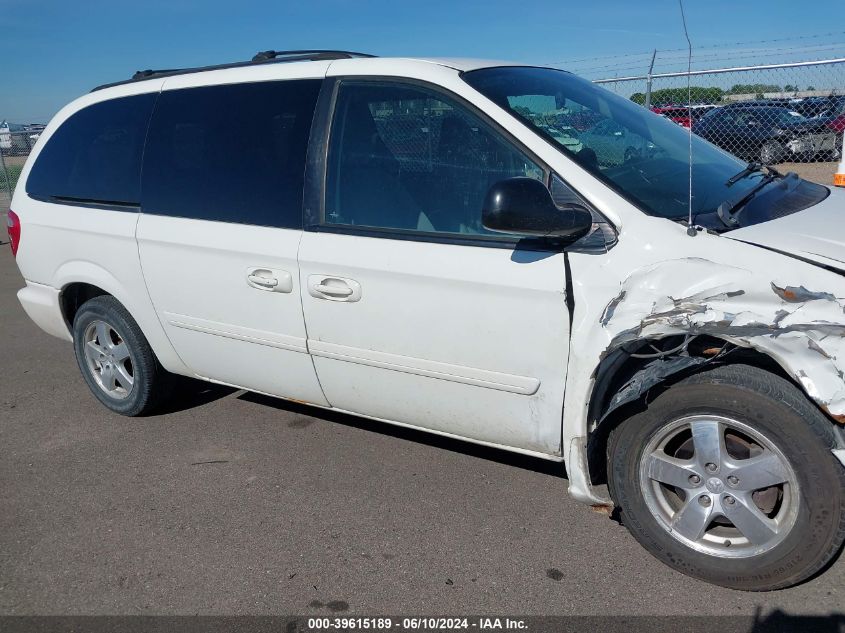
(649,81)
(6,175)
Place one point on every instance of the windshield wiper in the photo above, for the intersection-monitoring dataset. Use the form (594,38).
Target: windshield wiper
(752,168)
(729,209)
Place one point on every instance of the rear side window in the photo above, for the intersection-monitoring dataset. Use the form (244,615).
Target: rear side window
(95,156)
(233,153)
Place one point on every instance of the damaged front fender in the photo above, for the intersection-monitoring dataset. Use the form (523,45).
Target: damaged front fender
(801,328)
(656,283)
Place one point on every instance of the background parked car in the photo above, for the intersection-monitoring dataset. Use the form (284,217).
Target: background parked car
(813,107)
(15,139)
(682,115)
(33,132)
(613,144)
(5,137)
(565,135)
(766,133)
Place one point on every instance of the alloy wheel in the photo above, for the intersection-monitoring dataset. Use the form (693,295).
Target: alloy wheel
(108,360)
(719,486)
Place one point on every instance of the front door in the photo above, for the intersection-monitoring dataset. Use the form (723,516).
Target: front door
(415,313)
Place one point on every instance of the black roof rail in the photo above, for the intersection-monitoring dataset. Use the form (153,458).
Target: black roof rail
(144,74)
(262,57)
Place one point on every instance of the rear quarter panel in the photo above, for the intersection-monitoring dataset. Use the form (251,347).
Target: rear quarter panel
(63,244)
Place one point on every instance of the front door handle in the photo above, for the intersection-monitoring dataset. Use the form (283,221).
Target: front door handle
(269,279)
(334,288)
(335,291)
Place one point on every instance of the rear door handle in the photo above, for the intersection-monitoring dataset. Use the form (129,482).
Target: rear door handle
(269,279)
(334,288)
(264,282)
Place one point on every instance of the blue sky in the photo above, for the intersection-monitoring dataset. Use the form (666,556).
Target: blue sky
(53,51)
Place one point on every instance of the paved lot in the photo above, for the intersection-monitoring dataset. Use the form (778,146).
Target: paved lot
(817,172)
(233,503)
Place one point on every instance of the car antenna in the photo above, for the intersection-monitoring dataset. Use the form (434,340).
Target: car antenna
(691,230)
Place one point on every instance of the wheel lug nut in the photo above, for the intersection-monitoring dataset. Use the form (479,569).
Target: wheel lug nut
(704,500)
(730,500)
(711,467)
(732,480)
(694,480)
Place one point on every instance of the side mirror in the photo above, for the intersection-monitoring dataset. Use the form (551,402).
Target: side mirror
(524,206)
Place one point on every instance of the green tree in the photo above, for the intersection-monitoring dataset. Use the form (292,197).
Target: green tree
(741,89)
(697,94)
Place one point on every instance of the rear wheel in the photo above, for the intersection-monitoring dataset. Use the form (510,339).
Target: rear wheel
(728,476)
(115,358)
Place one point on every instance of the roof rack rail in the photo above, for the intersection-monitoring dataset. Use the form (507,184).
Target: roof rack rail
(143,74)
(262,57)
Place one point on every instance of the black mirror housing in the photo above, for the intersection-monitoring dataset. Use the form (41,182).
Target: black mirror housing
(524,206)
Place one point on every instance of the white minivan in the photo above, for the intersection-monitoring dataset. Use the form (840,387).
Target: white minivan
(405,240)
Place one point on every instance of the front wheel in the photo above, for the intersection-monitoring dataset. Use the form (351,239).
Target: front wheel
(728,476)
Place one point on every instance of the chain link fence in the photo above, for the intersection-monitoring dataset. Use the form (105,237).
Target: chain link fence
(774,113)
(16,142)
(775,101)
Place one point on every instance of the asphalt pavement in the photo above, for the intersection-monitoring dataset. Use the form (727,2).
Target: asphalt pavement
(232,503)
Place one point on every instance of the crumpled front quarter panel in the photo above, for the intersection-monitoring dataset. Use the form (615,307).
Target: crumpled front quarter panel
(670,283)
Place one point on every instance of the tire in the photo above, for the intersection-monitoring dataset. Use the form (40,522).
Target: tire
(759,414)
(115,358)
(771,153)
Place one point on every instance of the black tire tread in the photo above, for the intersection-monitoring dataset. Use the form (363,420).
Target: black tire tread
(152,384)
(776,388)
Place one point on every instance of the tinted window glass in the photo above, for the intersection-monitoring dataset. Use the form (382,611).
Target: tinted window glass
(231,153)
(96,154)
(404,157)
(646,158)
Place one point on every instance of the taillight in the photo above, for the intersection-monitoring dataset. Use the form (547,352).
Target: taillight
(13,225)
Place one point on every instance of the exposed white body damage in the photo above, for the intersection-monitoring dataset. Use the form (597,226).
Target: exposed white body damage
(671,283)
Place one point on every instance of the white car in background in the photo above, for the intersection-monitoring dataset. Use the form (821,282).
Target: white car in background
(5,136)
(392,238)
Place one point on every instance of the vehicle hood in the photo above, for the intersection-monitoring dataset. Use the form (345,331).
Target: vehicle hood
(816,233)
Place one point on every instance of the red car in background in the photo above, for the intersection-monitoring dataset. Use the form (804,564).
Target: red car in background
(680,114)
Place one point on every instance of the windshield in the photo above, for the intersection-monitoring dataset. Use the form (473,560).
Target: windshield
(643,156)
